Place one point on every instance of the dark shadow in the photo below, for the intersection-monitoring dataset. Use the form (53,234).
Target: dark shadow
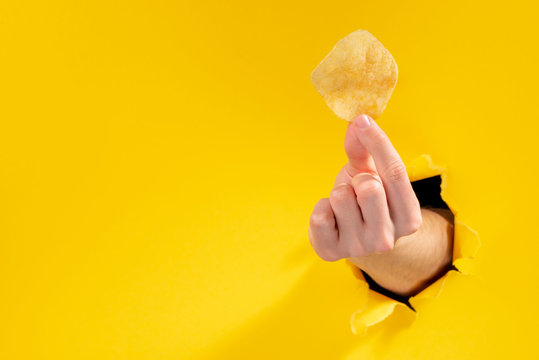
(428,192)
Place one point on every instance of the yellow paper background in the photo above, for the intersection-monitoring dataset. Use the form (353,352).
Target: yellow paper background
(159,161)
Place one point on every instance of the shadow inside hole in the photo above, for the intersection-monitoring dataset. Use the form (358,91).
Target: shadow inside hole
(428,192)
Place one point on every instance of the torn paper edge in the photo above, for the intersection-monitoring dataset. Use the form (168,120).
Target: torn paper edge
(376,307)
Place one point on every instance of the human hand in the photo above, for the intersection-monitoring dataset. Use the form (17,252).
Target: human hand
(372,204)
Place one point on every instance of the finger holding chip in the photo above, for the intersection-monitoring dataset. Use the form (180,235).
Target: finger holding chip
(403,203)
(372,203)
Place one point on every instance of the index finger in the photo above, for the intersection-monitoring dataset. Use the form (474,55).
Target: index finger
(403,204)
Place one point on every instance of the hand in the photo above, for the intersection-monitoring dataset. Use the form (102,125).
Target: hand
(372,204)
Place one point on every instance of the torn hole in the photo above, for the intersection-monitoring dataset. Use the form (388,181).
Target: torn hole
(428,192)
(429,183)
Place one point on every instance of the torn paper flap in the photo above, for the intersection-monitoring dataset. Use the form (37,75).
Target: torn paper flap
(374,308)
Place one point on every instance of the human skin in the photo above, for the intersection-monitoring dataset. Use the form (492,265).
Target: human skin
(373,218)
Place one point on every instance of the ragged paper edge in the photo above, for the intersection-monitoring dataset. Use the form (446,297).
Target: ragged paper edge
(375,307)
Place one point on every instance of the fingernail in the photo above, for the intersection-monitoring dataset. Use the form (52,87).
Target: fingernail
(362,121)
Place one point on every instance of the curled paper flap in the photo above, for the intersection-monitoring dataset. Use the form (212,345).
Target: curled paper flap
(375,307)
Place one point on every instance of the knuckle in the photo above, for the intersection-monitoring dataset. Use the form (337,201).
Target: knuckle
(320,220)
(341,193)
(396,171)
(369,189)
(410,224)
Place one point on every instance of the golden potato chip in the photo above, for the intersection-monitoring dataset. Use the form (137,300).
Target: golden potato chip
(357,76)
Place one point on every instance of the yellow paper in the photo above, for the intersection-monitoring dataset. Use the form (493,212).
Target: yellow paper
(159,161)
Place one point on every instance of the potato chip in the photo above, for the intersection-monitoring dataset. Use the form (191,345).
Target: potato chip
(357,76)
